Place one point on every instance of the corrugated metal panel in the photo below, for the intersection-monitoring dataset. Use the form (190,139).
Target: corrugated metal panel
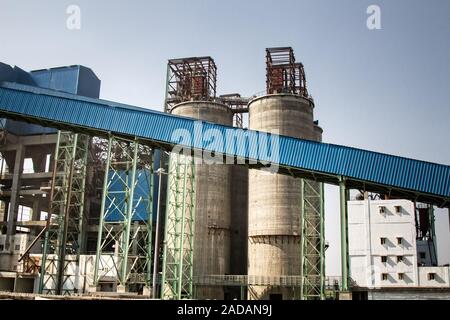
(355,164)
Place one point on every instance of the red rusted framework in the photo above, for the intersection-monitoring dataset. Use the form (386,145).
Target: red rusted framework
(238,106)
(190,79)
(283,74)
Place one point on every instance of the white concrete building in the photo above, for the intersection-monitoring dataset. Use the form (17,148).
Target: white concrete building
(383,249)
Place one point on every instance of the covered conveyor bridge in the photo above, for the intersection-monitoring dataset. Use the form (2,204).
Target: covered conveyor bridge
(360,169)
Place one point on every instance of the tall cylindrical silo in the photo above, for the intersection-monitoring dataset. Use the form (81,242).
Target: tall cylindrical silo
(275,200)
(212,210)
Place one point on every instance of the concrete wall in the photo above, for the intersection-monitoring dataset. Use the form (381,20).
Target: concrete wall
(441,276)
(7,284)
(367,225)
(83,277)
(410,294)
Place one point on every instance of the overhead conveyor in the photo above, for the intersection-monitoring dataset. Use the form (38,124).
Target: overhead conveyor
(360,169)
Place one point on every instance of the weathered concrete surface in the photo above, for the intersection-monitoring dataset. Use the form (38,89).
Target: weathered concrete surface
(275,200)
(213,199)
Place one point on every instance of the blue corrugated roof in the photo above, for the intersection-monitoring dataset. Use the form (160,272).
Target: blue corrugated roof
(419,180)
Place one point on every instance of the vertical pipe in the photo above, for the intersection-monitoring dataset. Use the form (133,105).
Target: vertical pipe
(150,221)
(322,242)
(344,235)
(183,217)
(102,212)
(164,266)
(302,239)
(126,238)
(156,251)
(81,239)
(191,237)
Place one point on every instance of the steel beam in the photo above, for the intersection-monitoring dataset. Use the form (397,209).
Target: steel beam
(345,260)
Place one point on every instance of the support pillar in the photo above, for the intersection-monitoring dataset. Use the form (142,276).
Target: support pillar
(345,271)
(177,270)
(63,238)
(313,241)
(14,202)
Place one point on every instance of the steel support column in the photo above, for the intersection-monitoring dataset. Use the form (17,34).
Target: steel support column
(177,269)
(124,241)
(63,237)
(345,260)
(313,241)
(432,231)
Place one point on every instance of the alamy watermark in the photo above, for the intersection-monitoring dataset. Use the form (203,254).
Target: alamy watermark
(73,21)
(374,19)
(228,146)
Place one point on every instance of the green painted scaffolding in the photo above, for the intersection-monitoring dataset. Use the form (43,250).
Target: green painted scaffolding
(178,251)
(64,236)
(313,241)
(124,243)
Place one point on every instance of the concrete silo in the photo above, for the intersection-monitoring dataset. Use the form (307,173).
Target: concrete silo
(213,199)
(275,201)
(191,92)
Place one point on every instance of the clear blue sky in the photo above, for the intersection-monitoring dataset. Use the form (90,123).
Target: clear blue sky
(386,90)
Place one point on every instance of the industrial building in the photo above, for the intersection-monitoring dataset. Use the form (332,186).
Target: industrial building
(95,198)
(392,248)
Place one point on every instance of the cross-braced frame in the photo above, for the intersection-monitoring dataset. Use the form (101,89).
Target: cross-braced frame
(313,241)
(64,235)
(124,244)
(177,270)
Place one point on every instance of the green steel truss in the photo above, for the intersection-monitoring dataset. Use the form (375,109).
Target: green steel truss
(124,244)
(177,269)
(313,241)
(64,237)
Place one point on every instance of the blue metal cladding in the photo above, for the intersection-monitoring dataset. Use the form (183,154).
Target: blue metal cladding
(72,79)
(321,158)
(141,193)
(116,201)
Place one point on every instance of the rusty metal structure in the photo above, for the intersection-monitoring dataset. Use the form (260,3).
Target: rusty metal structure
(283,74)
(190,79)
(238,105)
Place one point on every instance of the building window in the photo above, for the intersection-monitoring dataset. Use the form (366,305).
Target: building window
(422,255)
(382,209)
(384,259)
(384,276)
(383,240)
(398,209)
(17,247)
(399,258)
(401,276)
(431,276)
(399,240)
